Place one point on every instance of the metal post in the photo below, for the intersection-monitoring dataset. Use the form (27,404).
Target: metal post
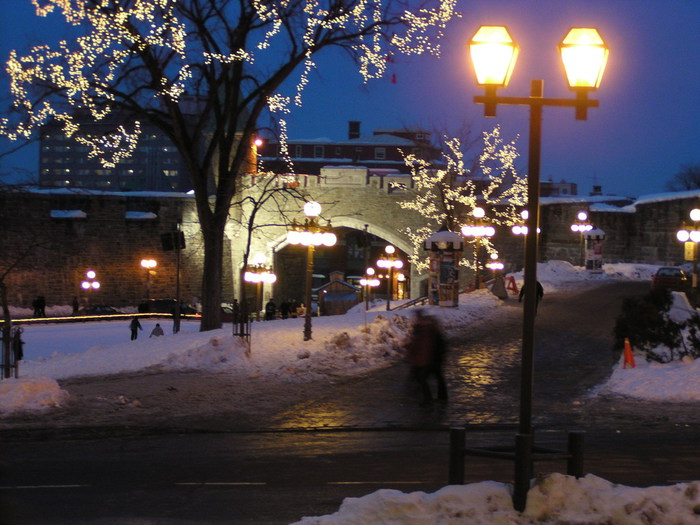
(523,470)
(456,467)
(574,465)
(522,475)
(390,285)
(309,280)
(530,302)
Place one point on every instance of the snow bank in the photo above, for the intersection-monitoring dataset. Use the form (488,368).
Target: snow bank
(555,500)
(30,394)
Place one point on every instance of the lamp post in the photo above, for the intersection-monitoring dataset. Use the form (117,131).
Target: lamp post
(390,262)
(493,54)
(477,231)
(259,274)
(310,234)
(148,265)
(690,236)
(582,226)
(368,282)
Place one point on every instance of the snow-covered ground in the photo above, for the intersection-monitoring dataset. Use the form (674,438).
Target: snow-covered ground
(356,343)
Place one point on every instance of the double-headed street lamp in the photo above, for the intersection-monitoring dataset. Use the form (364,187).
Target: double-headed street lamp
(390,262)
(310,234)
(493,54)
(477,231)
(582,226)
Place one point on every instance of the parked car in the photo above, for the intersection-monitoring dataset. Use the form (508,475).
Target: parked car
(165,306)
(670,278)
(98,309)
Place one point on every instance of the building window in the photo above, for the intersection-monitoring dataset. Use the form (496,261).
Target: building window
(297,150)
(338,151)
(170,173)
(420,136)
(318,152)
(380,153)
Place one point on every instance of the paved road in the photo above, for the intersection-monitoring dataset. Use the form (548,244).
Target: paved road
(369,433)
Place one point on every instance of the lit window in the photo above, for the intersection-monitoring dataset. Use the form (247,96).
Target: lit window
(170,173)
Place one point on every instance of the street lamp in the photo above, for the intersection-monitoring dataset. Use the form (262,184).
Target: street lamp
(494,53)
(148,265)
(477,231)
(310,234)
(582,226)
(90,282)
(368,282)
(259,274)
(690,236)
(390,262)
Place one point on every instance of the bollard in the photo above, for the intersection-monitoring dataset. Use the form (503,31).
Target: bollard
(523,470)
(456,467)
(574,465)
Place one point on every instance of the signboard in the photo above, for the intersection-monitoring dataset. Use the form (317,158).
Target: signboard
(690,250)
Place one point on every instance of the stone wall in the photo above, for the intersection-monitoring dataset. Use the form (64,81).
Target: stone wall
(66,233)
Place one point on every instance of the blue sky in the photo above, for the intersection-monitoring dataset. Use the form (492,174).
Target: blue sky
(647,126)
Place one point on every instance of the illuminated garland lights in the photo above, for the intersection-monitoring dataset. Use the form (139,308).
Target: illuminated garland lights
(84,73)
(435,197)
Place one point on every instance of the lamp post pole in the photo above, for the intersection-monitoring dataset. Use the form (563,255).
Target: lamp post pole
(309,284)
(493,54)
(310,234)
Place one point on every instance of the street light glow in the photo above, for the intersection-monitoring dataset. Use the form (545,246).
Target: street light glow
(493,53)
(584,55)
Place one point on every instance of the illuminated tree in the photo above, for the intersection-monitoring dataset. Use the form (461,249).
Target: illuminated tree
(449,196)
(204,72)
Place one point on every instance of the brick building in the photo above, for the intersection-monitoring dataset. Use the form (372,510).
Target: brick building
(380,151)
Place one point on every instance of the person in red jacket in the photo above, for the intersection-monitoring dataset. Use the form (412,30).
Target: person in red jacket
(426,350)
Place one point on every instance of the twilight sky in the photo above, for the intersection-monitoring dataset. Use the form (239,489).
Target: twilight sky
(647,126)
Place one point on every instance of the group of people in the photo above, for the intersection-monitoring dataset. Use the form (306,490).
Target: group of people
(135,326)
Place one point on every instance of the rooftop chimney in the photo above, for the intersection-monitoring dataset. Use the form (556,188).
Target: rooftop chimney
(354,129)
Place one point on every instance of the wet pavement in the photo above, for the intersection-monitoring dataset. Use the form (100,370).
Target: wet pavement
(573,355)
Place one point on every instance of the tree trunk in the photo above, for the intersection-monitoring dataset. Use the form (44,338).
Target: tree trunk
(213,237)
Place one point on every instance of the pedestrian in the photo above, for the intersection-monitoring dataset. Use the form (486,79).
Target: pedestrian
(157,331)
(35,305)
(270,310)
(135,326)
(17,344)
(284,309)
(76,306)
(426,351)
(41,306)
(540,294)
(235,311)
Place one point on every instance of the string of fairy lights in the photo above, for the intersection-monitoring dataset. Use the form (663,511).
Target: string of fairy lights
(84,70)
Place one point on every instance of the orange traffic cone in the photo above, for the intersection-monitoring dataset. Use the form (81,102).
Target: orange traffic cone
(629,357)
(511,286)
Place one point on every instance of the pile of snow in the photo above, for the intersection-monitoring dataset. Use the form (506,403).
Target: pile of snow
(30,394)
(556,499)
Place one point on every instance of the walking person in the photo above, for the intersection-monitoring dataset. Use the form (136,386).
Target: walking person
(270,310)
(426,352)
(135,326)
(540,294)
